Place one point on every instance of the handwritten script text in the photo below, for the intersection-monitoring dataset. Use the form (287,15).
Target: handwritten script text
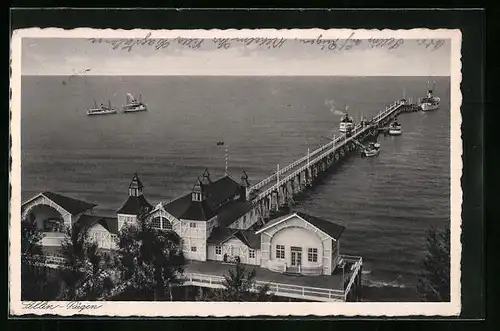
(336,44)
(76,306)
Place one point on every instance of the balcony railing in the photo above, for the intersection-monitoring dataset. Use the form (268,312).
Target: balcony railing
(286,290)
(279,289)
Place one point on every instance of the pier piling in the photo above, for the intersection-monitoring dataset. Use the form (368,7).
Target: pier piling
(286,183)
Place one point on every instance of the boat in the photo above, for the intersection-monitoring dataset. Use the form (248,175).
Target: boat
(101,110)
(133,105)
(395,129)
(346,123)
(373,149)
(430,102)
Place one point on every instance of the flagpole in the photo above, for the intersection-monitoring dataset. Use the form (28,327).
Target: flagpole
(226,159)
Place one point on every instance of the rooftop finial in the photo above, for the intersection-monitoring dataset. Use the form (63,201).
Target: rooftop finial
(135,187)
(244,179)
(205,180)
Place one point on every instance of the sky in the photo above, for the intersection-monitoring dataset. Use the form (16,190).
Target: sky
(67,56)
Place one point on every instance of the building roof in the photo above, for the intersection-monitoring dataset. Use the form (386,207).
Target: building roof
(232,211)
(215,193)
(71,205)
(185,208)
(249,238)
(109,223)
(136,182)
(134,205)
(220,191)
(220,235)
(332,229)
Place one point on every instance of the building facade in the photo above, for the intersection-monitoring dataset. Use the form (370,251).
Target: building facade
(216,222)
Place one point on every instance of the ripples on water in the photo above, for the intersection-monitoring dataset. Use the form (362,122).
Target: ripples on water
(387,203)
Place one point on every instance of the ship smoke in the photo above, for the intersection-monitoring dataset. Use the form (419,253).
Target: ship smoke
(333,109)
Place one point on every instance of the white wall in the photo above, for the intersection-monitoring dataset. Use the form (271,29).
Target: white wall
(245,221)
(194,237)
(102,237)
(52,239)
(298,237)
(234,247)
(335,253)
(126,219)
(295,231)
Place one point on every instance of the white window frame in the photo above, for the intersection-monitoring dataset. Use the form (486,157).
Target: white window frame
(165,221)
(281,250)
(218,250)
(159,222)
(312,255)
(251,253)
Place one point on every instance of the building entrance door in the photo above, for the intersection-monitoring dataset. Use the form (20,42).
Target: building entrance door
(296,254)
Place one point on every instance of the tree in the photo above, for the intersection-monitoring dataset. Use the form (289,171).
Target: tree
(434,282)
(85,274)
(239,285)
(34,276)
(150,260)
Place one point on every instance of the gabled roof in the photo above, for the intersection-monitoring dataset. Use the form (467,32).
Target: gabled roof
(109,223)
(71,205)
(220,191)
(232,211)
(249,238)
(136,182)
(220,235)
(185,208)
(332,229)
(215,193)
(134,205)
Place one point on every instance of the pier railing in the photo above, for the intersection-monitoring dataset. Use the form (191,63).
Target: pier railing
(358,263)
(279,289)
(312,157)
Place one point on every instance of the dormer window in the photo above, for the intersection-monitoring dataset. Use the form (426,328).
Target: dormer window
(135,187)
(196,196)
(197,192)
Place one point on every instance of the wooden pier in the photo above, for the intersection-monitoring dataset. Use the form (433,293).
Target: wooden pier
(339,287)
(279,189)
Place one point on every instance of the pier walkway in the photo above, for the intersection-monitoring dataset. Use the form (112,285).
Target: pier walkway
(280,188)
(338,287)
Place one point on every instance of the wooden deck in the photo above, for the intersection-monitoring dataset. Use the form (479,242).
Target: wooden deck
(312,288)
(315,288)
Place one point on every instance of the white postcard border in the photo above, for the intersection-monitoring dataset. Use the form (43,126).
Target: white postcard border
(221,309)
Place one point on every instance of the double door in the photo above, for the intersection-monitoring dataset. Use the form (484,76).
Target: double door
(295,258)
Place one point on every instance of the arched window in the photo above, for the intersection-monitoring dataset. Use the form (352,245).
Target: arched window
(156,222)
(166,224)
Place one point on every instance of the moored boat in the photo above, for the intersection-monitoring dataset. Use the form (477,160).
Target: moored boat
(430,102)
(346,123)
(395,129)
(373,149)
